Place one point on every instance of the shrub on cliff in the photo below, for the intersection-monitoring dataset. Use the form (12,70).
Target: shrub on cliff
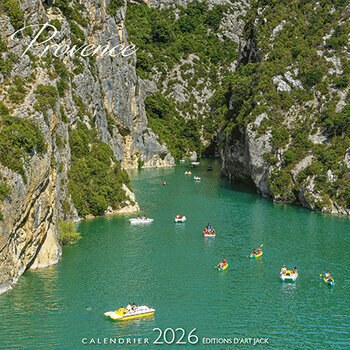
(4,190)
(67,232)
(46,96)
(19,138)
(15,13)
(180,136)
(114,6)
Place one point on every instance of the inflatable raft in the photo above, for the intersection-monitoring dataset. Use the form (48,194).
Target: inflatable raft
(123,315)
(252,256)
(329,281)
(223,268)
(211,235)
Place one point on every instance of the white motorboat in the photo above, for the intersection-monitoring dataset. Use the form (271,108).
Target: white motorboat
(196,163)
(136,221)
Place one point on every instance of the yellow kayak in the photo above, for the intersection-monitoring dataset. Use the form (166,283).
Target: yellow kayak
(223,268)
(256,256)
(122,315)
(329,281)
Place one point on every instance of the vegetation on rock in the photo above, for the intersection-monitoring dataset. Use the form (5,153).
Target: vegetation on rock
(95,177)
(184,51)
(67,233)
(310,68)
(19,139)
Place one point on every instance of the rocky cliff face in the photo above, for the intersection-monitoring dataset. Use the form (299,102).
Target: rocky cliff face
(103,93)
(289,135)
(277,105)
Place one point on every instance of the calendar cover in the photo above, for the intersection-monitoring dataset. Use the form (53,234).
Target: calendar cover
(174,174)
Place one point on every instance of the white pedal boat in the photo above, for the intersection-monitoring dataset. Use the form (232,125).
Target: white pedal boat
(288,276)
(140,221)
(122,314)
(196,163)
(180,219)
(209,235)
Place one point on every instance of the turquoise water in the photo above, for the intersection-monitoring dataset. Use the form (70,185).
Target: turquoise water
(170,267)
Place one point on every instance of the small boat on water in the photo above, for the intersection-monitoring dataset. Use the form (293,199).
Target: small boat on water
(182,160)
(188,173)
(179,218)
(329,281)
(254,256)
(288,276)
(137,221)
(210,169)
(222,265)
(209,232)
(122,314)
(220,269)
(256,253)
(197,178)
(196,163)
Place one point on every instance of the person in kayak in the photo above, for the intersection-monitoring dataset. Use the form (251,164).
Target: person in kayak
(224,261)
(143,217)
(283,270)
(133,307)
(254,252)
(327,276)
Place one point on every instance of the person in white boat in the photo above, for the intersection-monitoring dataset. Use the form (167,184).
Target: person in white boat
(295,271)
(138,217)
(283,270)
(128,307)
(143,217)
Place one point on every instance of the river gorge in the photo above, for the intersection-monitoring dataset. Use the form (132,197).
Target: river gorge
(171,267)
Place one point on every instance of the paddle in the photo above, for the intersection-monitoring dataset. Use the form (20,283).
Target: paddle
(256,248)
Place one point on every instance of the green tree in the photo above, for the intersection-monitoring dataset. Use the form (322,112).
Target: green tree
(67,233)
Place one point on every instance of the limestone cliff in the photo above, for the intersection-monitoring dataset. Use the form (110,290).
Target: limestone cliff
(276,106)
(102,93)
(288,107)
